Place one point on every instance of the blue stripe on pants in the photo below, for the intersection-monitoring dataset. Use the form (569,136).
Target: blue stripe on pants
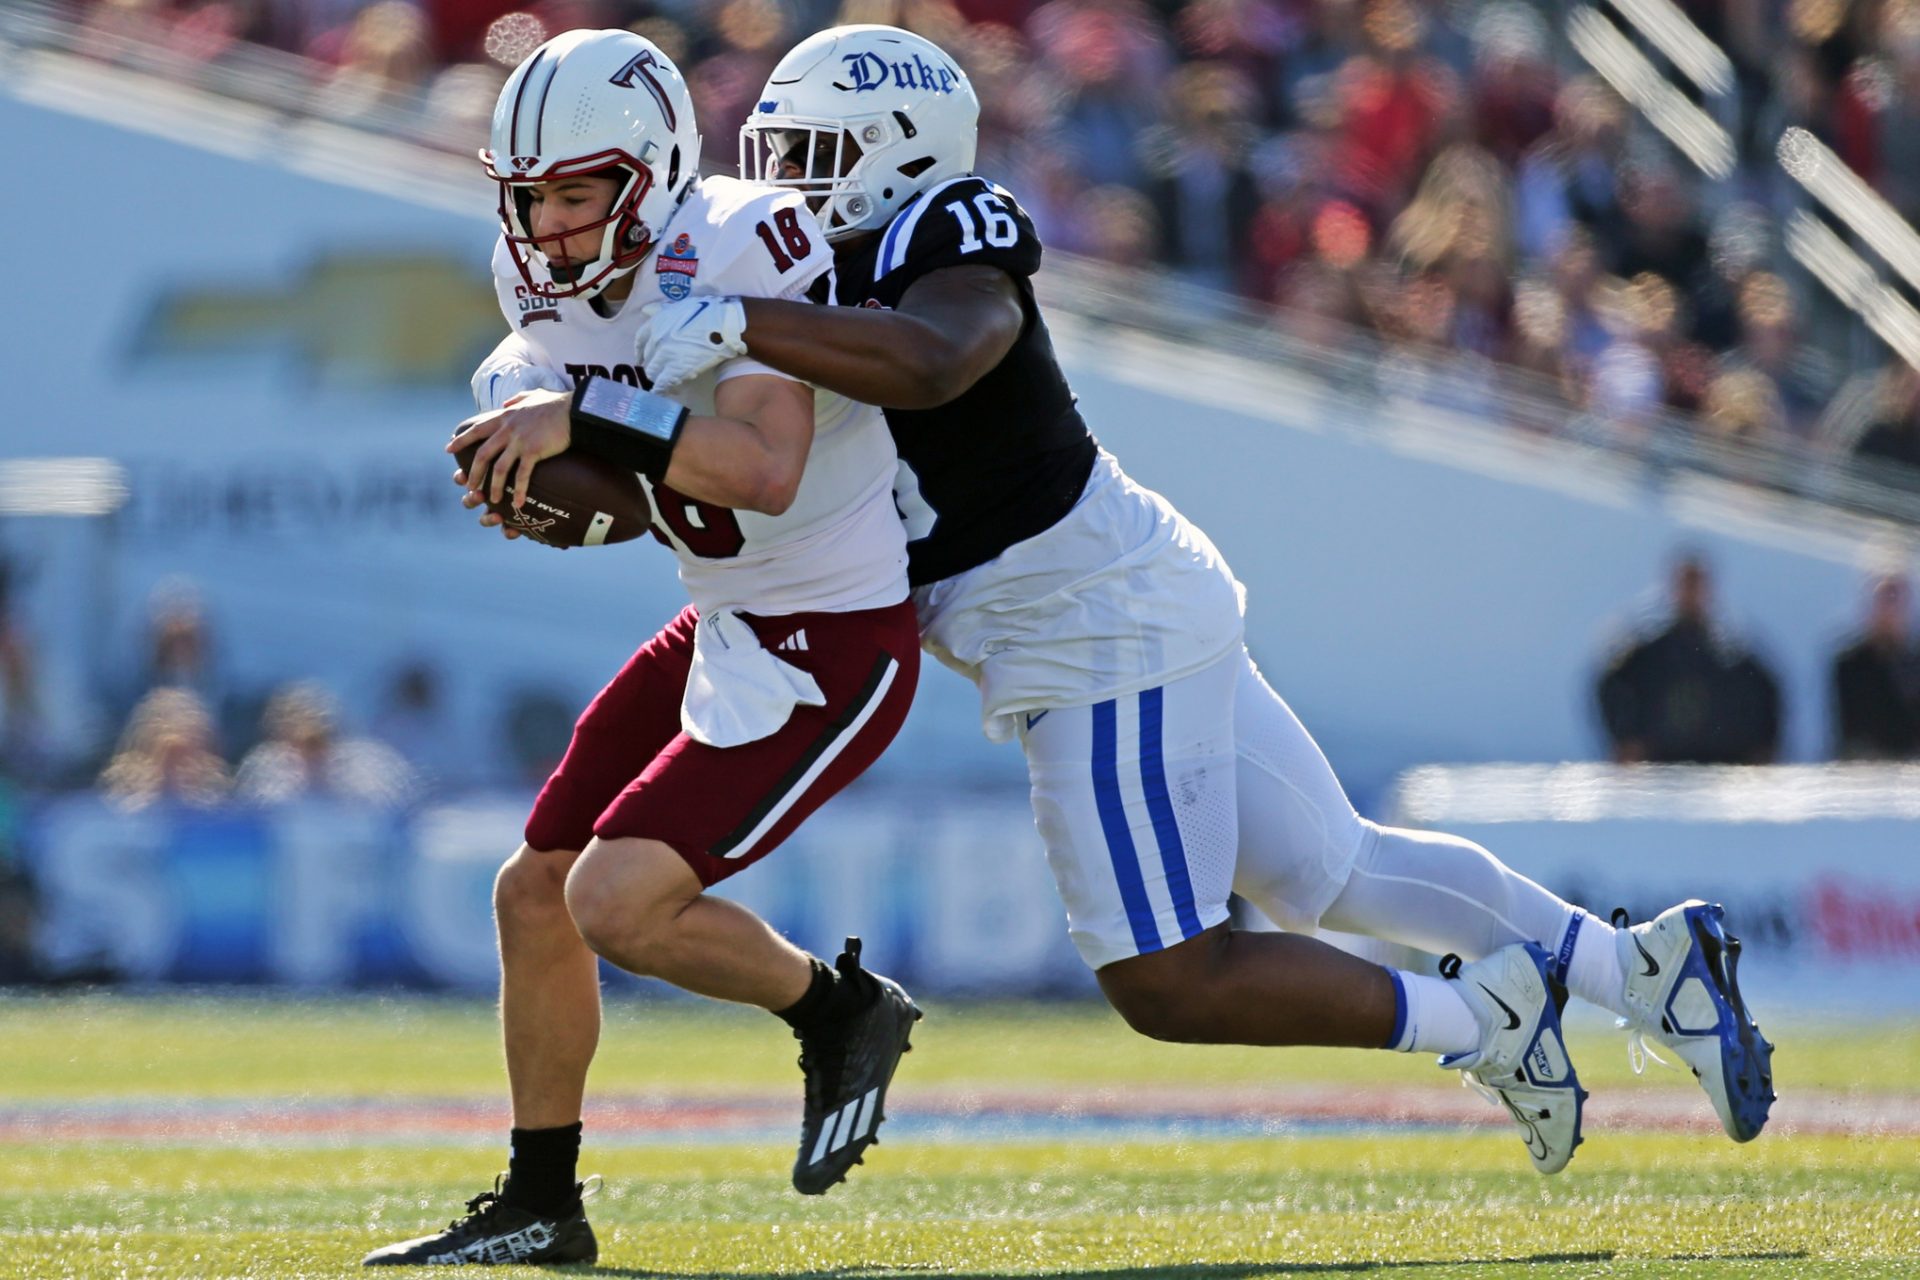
(1113,821)
(1166,831)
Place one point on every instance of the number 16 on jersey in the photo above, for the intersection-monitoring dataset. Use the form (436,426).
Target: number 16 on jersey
(1002,231)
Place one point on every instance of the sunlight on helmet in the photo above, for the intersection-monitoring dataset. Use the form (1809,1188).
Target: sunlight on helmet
(862,119)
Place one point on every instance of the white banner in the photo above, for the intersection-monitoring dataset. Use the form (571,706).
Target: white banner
(1818,866)
(952,896)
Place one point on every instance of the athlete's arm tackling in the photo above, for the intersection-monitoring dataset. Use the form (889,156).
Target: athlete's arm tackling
(949,330)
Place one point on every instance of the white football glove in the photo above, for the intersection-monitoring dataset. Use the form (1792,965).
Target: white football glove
(505,374)
(684,339)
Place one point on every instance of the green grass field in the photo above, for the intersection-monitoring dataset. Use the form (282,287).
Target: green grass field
(1129,1202)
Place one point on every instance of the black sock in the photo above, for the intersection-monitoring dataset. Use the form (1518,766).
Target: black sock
(831,996)
(541,1172)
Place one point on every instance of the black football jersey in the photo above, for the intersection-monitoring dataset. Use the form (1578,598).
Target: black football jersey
(1010,456)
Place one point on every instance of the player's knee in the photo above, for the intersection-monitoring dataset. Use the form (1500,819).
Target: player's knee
(1162,995)
(593,901)
(1159,1015)
(621,909)
(530,887)
(1147,1013)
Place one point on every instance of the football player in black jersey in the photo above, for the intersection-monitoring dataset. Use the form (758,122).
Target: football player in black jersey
(1105,632)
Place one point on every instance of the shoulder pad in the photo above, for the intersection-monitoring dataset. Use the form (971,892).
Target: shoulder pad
(736,238)
(963,220)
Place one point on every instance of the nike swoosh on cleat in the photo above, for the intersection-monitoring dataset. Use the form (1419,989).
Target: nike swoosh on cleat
(1530,1130)
(1513,1019)
(1653,966)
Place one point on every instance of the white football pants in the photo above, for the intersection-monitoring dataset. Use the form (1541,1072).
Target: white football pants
(1155,806)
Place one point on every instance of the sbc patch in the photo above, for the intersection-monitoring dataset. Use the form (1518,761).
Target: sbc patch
(676,268)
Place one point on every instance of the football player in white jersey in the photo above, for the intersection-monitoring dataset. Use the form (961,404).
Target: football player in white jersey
(788,674)
(1105,632)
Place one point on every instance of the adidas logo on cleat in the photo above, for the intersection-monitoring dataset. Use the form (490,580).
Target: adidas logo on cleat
(855,1120)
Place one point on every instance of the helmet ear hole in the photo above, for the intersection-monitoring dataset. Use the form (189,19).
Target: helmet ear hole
(914,168)
(673,168)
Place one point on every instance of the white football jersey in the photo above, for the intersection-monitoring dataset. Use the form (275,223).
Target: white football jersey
(1120,594)
(841,545)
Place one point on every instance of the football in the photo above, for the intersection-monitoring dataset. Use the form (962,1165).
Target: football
(575,500)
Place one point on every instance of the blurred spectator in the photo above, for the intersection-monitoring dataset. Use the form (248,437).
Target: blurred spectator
(1514,82)
(1802,379)
(1394,102)
(1540,333)
(1117,225)
(1570,178)
(18,920)
(1627,384)
(21,734)
(1109,59)
(462,97)
(1456,235)
(1743,408)
(179,649)
(1876,681)
(1201,187)
(1686,367)
(412,720)
(1660,230)
(1738,246)
(1574,271)
(167,755)
(1895,103)
(1690,692)
(173,36)
(538,724)
(1327,292)
(1893,434)
(302,755)
(385,62)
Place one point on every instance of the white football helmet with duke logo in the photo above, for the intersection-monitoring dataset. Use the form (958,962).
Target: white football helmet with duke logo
(872,116)
(606,103)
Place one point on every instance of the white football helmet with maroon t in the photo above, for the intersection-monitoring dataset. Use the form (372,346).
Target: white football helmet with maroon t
(606,103)
(872,116)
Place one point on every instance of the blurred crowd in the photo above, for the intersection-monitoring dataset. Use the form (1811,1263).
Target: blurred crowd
(1436,173)
(184,737)
(183,731)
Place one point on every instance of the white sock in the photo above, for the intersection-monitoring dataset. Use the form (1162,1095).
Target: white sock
(1590,964)
(1430,1016)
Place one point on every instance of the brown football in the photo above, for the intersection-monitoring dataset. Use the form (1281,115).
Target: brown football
(575,500)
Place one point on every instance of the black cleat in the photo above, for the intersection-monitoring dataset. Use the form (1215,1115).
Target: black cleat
(495,1232)
(848,1065)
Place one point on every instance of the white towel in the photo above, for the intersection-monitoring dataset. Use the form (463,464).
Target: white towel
(737,692)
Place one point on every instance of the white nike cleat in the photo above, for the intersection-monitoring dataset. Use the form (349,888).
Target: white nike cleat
(1683,992)
(1522,1060)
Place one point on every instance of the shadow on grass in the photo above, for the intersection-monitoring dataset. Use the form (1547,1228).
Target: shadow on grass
(1201,1271)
